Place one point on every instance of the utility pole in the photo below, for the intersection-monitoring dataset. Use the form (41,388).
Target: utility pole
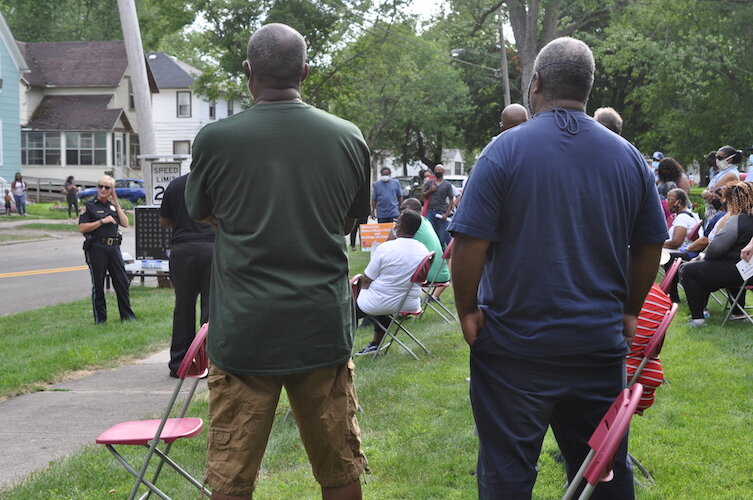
(503,48)
(129,22)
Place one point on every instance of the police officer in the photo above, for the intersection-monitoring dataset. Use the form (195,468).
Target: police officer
(191,250)
(98,221)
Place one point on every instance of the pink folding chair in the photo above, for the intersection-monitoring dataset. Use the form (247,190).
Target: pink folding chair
(150,433)
(432,285)
(666,282)
(694,233)
(597,466)
(400,316)
(651,351)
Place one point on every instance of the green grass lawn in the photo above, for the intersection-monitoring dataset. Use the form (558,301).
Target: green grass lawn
(4,238)
(417,426)
(68,226)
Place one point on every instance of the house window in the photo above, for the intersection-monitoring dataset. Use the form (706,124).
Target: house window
(181,147)
(230,108)
(212,111)
(131,101)
(135,151)
(40,148)
(86,148)
(458,168)
(184,103)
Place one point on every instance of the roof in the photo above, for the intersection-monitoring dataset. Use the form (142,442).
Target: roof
(77,112)
(75,64)
(10,42)
(170,73)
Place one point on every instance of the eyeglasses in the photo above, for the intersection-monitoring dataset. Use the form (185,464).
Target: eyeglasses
(103,187)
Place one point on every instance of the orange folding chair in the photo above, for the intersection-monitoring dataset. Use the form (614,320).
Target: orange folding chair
(666,282)
(597,466)
(150,433)
(432,285)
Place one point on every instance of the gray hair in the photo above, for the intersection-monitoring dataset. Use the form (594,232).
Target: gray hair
(610,118)
(566,67)
(277,52)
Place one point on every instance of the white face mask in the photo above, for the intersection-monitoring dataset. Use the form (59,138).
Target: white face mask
(384,178)
(750,160)
(655,164)
(721,164)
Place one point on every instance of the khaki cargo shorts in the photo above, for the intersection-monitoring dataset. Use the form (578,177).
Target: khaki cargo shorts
(241,412)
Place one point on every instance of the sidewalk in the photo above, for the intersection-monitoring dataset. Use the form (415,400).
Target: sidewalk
(38,428)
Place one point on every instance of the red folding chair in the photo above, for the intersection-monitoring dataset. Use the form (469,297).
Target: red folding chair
(150,433)
(695,232)
(666,282)
(432,285)
(400,316)
(597,466)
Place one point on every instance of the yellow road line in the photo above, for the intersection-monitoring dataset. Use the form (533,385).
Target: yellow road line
(43,271)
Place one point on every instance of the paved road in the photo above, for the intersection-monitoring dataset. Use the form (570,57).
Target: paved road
(45,272)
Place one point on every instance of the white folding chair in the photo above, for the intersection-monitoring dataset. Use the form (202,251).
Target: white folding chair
(150,433)
(597,466)
(733,303)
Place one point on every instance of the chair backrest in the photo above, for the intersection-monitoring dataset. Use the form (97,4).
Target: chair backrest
(669,276)
(195,363)
(447,254)
(422,271)
(693,235)
(609,433)
(656,342)
(355,285)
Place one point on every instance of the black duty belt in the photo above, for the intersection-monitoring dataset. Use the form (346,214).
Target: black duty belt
(115,240)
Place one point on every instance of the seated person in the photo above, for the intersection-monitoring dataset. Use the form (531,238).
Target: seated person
(386,279)
(439,272)
(685,221)
(717,269)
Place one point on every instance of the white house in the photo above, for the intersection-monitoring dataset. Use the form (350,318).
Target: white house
(77,111)
(452,159)
(178,112)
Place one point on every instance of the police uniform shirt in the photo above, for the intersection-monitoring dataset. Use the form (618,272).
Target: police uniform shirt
(92,211)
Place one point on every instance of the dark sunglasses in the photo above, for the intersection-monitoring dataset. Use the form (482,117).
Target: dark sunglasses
(105,188)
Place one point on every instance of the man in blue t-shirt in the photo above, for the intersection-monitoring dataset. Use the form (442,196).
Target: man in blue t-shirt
(386,197)
(557,242)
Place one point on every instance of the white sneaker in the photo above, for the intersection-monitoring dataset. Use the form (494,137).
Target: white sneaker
(697,323)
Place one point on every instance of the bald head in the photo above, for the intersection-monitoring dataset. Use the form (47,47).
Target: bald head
(277,53)
(411,204)
(566,70)
(610,118)
(512,116)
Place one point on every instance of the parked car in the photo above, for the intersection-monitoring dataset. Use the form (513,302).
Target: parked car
(407,184)
(126,189)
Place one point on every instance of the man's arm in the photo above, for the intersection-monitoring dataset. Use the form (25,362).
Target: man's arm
(348,226)
(450,204)
(373,209)
(468,258)
(642,265)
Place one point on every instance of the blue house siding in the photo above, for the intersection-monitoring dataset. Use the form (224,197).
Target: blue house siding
(10,112)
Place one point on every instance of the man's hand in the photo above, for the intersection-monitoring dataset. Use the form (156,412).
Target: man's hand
(629,325)
(747,252)
(471,324)
(444,216)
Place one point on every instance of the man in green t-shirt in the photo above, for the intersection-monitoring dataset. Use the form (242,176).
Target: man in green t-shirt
(283,182)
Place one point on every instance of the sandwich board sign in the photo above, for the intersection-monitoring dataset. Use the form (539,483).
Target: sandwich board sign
(161,173)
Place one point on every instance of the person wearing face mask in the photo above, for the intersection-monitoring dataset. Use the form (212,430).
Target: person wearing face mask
(727,158)
(750,163)
(441,200)
(386,197)
(655,159)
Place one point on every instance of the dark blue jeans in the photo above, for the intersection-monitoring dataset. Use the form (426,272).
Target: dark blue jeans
(515,399)
(440,226)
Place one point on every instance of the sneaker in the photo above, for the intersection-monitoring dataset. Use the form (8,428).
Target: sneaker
(369,349)
(706,314)
(737,317)
(697,323)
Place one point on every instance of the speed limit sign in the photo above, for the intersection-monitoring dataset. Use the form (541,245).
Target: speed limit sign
(162,173)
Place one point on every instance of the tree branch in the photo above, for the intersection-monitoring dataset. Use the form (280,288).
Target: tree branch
(488,12)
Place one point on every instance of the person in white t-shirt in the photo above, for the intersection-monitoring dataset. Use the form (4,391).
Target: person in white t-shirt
(386,279)
(684,223)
